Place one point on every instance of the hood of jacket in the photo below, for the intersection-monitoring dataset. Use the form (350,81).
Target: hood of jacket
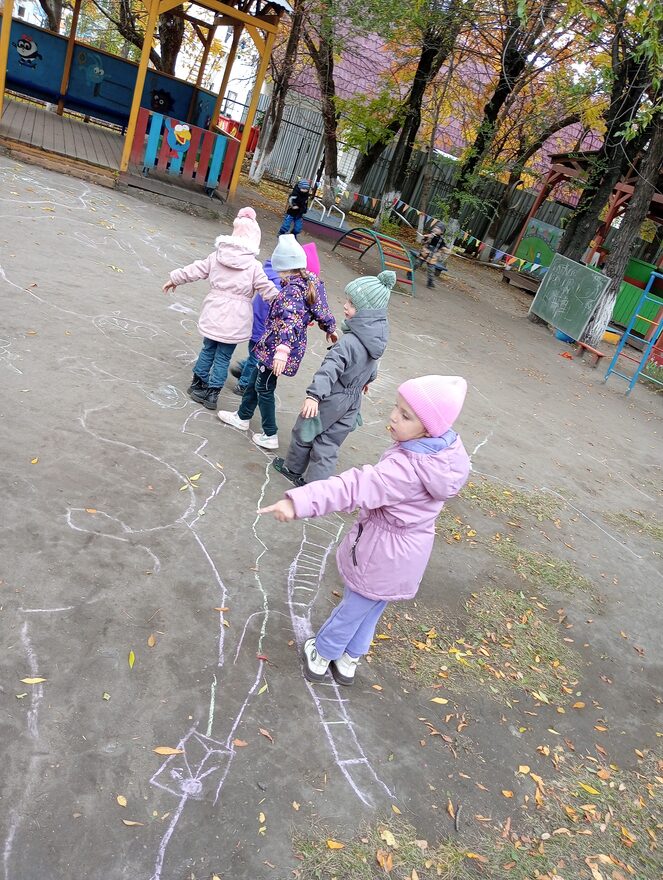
(235,253)
(371,327)
(441,463)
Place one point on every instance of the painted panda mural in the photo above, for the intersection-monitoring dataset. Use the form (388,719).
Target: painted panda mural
(28,52)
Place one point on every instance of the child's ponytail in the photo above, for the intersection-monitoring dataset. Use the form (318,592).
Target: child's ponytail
(311,289)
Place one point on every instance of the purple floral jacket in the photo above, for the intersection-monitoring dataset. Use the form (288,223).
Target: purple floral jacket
(288,320)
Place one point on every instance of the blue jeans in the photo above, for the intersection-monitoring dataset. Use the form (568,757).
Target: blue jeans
(261,393)
(213,362)
(248,365)
(350,627)
(288,219)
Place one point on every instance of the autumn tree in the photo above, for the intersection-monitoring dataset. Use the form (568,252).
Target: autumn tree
(53,11)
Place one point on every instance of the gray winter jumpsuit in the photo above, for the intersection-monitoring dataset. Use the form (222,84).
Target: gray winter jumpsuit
(338,386)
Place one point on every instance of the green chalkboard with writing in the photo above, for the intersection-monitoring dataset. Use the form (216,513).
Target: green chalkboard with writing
(568,295)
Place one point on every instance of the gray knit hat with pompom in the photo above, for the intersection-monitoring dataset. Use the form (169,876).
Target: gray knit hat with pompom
(371,292)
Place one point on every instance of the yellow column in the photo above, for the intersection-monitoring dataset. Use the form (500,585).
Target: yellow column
(4,48)
(69,56)
(140,82)
(250,116)
(230,60)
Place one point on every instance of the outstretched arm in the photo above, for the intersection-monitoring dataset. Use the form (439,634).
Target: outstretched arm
(195,271)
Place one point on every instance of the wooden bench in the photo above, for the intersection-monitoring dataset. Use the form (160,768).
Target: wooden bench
(582,348)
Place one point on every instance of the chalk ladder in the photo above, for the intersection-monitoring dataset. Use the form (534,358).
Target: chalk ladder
(656,328)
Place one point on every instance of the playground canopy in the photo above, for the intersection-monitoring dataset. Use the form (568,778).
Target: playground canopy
(169,125)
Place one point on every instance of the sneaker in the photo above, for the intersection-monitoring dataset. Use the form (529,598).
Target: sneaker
(344,669)
(239,390)
(235,370)
(231,418)
(315,666)
(296,479)
(265,442)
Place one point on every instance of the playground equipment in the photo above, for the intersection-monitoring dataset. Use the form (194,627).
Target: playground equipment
(393,255)
(653,335)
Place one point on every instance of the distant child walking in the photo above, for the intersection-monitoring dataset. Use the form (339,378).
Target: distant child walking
(226,317)
(301,301)
(297,207)
(333,399)
(384,556)
(434,253)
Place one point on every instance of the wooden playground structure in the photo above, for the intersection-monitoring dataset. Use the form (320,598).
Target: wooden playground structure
(393,254)
(170,128)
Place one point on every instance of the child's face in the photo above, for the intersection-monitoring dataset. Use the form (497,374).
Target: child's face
(349,309)
(403,423)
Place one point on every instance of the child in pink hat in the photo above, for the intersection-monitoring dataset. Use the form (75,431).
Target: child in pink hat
(384,556)
(226,317)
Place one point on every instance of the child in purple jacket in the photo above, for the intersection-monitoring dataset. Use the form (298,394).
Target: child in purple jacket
(301,301)
(384,556)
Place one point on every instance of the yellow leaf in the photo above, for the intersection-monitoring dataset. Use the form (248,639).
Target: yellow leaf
(122,801)
(261,818)
(35,460)
(195,477)
(151,640)
(538,797)
(295,805)
(132,659)
(395,809)
(471,533)
(376,687)
(167,750)
(335,844)
(131,822)
(450,809)
(578,705)
(506,793)
(473,855)
(389,838)
(524,768)
(90,510)
(32,680)
(440,700)
(588,788)
(185,486)
(382,636)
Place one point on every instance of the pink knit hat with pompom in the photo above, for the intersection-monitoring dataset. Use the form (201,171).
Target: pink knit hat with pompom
(436,400)
(246,228)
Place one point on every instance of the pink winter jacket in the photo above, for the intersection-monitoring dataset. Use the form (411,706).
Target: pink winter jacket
(235,276)
(385,554)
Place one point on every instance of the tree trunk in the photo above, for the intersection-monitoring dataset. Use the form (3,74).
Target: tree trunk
(323,61)
(171,34)
(53,12)
(623,242)
(274,116)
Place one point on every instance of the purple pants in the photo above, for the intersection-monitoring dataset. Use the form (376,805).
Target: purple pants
(350,627)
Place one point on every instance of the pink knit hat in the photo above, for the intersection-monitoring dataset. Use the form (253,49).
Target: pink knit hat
(436,400)
(246,228)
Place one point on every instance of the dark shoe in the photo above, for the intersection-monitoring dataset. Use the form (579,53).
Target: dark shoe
(208,396)
(430,284)
(235,370)
(239,390)
(196,385)
(296,479)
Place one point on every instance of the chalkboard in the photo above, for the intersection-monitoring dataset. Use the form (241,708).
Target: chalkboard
(568,295)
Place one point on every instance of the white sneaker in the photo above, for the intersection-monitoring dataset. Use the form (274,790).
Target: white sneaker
(344,669)
(264,441)
(231,418)
(315,666)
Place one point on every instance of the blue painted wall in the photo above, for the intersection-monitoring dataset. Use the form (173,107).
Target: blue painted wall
(100,85)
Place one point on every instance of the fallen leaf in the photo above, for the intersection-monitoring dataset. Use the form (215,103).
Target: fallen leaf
(222,609)
(507,793)
(524,768)
(32,680)
(262,689)
(473,855)
(151,640)
(167,750)
(195,477)
(21,696)
(389,838)
(395,809)
(105,696)
(35,460)
(240,743)
(376,687)
(578,705)
(440,700)
(450,809)
(131,822)
(132,659)
(295,805)
(90,510)
(335,844)
(122,801)
(266,734)
(588,788)
(261,818)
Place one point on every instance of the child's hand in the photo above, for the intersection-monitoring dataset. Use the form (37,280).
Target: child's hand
(309,409)
(332,337)
(169,287)
(283,510)
(278,365)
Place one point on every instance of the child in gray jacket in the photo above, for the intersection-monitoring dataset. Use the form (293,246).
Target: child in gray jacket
(333,399)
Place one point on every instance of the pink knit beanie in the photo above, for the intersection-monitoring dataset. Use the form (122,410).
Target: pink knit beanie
(436,400)
(246,228)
